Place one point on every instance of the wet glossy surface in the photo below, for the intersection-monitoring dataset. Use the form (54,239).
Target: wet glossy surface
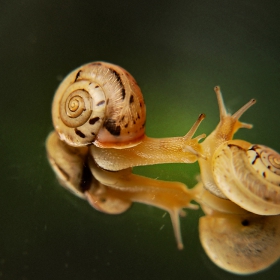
(177,52)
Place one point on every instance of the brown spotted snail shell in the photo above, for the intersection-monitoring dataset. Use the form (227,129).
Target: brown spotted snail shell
(99,103)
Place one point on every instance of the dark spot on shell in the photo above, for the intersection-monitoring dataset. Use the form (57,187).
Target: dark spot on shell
(131,99)
(123,93)
(116,74)
(78,74)
(79,133)
(111,126)
(92,133)
(257,156)
(140,104)
(264,175)
(245,223)
(96,86)
(102,199)
(126,125)
(138,117)
(100,103)
(118,77)
(269,167)
(93,120)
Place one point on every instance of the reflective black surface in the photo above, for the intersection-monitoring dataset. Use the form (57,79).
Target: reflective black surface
(177,52)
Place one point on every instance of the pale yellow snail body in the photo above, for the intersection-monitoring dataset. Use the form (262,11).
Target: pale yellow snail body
(239,193)
(245,173)
(99,118)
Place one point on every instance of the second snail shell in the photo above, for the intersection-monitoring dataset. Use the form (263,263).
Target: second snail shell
(249,175)
(99,103)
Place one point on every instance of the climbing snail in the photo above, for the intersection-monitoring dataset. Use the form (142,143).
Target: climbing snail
(99,117)
(246,174)
(101,104)
(239,193)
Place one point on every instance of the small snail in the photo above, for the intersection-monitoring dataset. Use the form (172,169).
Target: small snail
(101,105)
(239,193)
(99,116)
(246,174)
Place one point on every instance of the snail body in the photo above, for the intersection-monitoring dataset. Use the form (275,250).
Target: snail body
(101,105)
(99,117)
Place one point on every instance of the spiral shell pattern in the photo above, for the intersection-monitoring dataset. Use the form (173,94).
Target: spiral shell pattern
(249,176)
(99,103)
(266,162)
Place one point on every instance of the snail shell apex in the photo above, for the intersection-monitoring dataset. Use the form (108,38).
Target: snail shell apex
(99,103)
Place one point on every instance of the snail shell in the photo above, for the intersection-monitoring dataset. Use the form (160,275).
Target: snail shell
(241,244)
(71,168)
(234,239)
(99,103)
(249,175)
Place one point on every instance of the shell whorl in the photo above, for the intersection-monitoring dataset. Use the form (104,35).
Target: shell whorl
(242,174)
(99,103)
(266,162)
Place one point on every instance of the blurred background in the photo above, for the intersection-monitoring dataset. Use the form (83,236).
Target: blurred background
(177,51)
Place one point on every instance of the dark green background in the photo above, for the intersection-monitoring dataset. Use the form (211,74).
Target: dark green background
(177,51)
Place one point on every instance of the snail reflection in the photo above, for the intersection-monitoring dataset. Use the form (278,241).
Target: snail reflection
(99,118)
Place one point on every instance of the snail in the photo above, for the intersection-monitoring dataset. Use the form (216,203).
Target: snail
(99,117)
(245,173)
(239,193)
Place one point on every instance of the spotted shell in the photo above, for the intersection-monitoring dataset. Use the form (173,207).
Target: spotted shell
(249,175)
(99,103)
